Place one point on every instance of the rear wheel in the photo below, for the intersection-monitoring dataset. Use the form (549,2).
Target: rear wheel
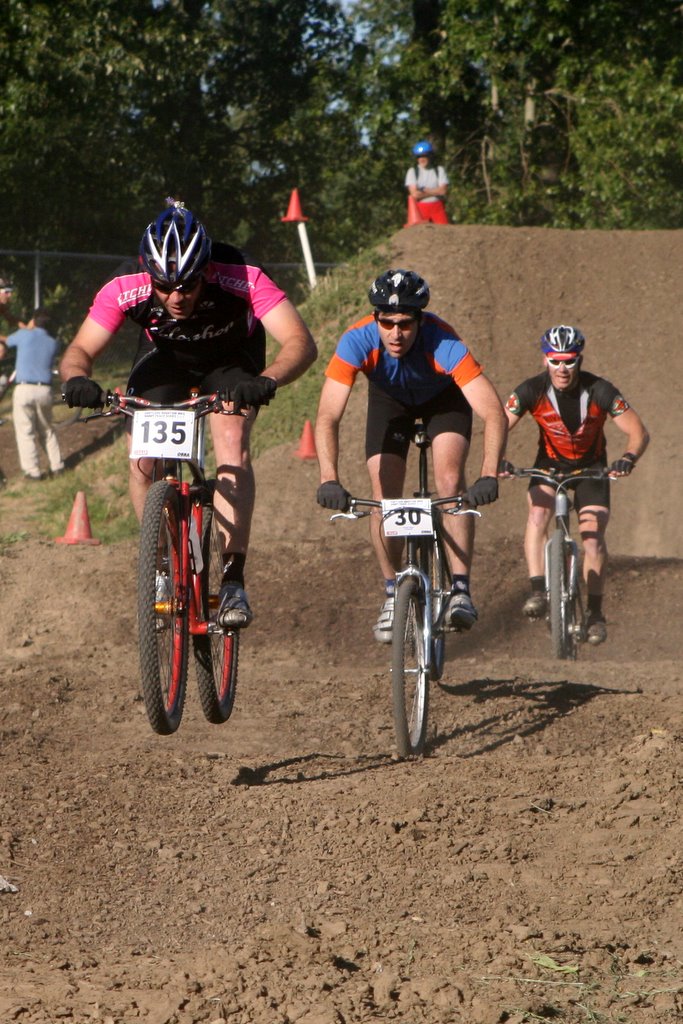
(215,652)
(162,610)
(409,671)
(562,603)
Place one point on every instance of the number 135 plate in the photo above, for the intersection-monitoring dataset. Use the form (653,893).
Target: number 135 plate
(162,434)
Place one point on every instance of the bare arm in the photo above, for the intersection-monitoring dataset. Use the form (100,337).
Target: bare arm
(89,343)
(483,397)
(422,193)
(631,424)
(333,399)
(297,348)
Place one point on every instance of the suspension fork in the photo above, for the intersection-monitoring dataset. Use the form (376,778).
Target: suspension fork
(425,585)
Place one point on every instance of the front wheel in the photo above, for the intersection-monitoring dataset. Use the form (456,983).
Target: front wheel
(162,610)
(215,652)
(441,589)
(562,601)
(409,670)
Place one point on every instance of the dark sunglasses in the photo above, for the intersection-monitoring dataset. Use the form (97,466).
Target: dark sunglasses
(186,286)
(569,363)
(403,325)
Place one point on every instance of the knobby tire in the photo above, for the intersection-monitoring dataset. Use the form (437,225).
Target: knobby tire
(163,626)
(216,655)
(409,673)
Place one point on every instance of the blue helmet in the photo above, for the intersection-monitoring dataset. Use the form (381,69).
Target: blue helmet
(175,247)
(423,149)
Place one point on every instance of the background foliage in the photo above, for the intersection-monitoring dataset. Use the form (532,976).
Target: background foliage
(545,112)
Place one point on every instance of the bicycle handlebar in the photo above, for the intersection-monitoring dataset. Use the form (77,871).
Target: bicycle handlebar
(128,404)
(553,476)
(354,510)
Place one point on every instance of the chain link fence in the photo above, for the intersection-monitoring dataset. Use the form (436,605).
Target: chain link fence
(65,283)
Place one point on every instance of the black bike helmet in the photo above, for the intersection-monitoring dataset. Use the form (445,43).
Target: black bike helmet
(399,291)
(562,340)
(175,247)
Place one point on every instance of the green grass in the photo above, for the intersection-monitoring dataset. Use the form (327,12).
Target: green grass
(43,509)
(339,299)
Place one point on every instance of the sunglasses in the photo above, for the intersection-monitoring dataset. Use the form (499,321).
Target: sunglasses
(403,325)
(569,363)
(186,286)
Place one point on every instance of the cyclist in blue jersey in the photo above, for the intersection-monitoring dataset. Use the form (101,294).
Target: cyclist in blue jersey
(418,368)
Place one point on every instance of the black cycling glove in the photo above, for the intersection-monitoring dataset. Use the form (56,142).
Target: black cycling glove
(82,392)
(506,468)
(331,494)
(483,491)
(624,465)
(254,392)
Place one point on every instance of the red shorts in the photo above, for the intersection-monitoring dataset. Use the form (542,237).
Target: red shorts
(435,212)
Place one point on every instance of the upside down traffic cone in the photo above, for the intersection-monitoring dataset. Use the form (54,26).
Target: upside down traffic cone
(306,449)
(414,215)
(78,528)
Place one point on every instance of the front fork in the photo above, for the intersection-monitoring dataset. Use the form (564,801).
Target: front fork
(425,585)
(572,576)
(191,531)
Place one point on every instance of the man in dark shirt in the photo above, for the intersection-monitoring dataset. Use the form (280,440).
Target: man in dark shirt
(570,406)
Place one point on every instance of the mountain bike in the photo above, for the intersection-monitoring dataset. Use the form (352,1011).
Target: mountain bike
(421,594)
(179,562)
(566,609)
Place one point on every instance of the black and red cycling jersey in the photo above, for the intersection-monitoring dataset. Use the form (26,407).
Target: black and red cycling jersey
(571,423)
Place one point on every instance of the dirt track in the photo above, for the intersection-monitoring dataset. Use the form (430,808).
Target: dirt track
(285,867)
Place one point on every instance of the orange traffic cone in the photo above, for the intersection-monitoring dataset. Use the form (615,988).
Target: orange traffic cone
(306,449)
(294,212)
(78,528)
(414,215)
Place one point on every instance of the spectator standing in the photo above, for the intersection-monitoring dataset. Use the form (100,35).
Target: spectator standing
(428,184)
(6,293)
(32,400)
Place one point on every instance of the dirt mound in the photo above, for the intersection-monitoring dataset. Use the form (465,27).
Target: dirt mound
(285,867)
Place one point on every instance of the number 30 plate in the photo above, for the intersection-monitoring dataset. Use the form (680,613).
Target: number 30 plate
(162,434)
(407,517)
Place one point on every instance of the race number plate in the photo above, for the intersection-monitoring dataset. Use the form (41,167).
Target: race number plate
(407,517)
(162,434)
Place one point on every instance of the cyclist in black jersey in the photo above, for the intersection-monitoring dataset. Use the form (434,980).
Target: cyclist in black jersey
(203,310)
(571,406)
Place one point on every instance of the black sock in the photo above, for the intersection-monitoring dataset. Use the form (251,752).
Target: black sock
(537,584)
(595,605)
(233,567)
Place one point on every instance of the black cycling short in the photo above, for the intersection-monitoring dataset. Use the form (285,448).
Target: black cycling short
(160,375)
(390,423)
(585,492)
